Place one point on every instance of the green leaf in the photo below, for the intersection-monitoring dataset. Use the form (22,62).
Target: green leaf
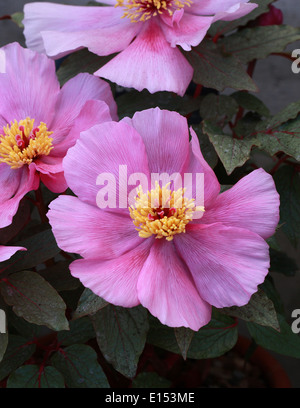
(273,243)
(284,342)
(232,152)
(207,148)
(251,103)
(35,300)
(281,133)
(3,344)
(80,61)
(282,263)
(18,351)
(132,101)
(59,276)
(150,380)
(22,327)
(121,335)
(218,108)
(18,18)
(270,290)
(184,337)
(79,366)
(88,304)
(260,310)
(212,340)
(30,376)
(259,42)
(81,331)
(245,127)
(213,68)
(287,182)
(40,248)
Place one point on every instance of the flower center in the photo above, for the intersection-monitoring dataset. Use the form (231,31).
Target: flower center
(22,142)
(142,10)
(162,212)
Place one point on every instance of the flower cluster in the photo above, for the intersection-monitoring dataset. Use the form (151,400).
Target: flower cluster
(156,208)
(155,251)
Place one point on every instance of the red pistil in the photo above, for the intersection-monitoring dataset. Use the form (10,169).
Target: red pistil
(22,140)
(161,213)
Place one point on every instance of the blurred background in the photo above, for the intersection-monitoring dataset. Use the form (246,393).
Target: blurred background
(278,86)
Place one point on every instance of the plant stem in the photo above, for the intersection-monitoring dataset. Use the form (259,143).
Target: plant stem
(42,209)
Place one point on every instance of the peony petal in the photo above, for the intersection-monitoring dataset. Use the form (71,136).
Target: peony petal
(2,62)
(84,229)
(227,263)
(188,32)
(210,7)
(149,62)
(114,280)
(92,113)
(235,12)
(72,98)
(60,29)
(7,252)
(59,44)
(196,165)
(29,88)
(166,288)
(252,203)
(166,138)
(55,182)
(97,157)
(14,185)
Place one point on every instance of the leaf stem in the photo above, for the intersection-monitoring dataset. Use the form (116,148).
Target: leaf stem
(42,209)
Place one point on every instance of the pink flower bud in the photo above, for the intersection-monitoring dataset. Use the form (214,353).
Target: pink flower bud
(272,17)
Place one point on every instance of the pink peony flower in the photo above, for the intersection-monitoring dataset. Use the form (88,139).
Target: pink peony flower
(145,32)
(155,252)
(39,122)
(7,252)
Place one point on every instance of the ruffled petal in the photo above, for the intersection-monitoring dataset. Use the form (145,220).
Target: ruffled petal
(92,113)
(114,280)
(252,203)
(55,182)
(72,98)
(227,263)
(86,230)
(166,289)
(149,62)
(188,32)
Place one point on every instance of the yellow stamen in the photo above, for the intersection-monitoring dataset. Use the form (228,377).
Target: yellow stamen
(21,143)
(162,212)
(142,10)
